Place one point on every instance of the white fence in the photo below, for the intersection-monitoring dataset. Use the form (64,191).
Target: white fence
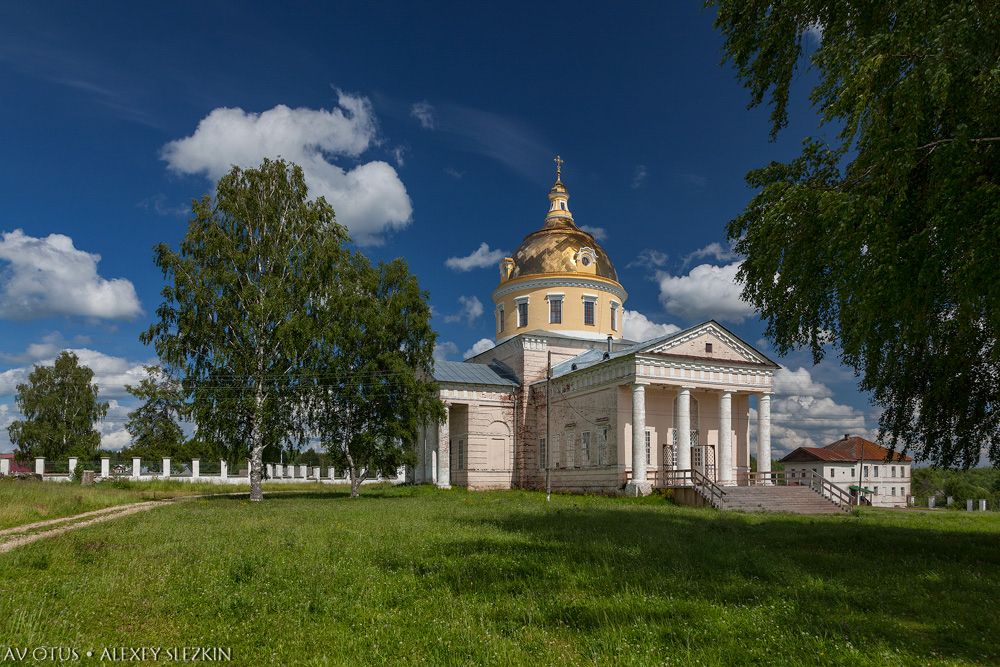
(193,471)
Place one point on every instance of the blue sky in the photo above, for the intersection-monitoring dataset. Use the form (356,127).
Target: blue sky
(430,127)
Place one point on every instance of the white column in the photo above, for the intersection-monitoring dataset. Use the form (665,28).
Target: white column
(195,468)
(764,433)
(105,466)
(683,425)
(166,467)
(223,470)
(726,438)
(136,467)
(639,484)
(444,451)
(39,465)
(72,465)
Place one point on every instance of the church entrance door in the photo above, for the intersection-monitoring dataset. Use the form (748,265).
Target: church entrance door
(703,460)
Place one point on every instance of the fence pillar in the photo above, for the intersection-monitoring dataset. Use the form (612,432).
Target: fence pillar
(136,467)
(223,470)
(331,473)
(4,467)
(303,471)
(269,470)
(72,465)
(279,470)
(948,501)
(982,504)
(105,466)
(930,502)
(39,465)
(318,473)
(166,467)
(968,505)
(195,468)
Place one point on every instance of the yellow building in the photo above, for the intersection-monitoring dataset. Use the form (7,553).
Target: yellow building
(563,399)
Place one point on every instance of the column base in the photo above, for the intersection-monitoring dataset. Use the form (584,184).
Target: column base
(638,489)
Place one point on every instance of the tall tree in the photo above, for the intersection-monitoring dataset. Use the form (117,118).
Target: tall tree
(155,424)
(241,292)
(372,357)
(60,407)
(881,243)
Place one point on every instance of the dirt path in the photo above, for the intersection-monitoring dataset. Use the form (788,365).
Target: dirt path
(19,536)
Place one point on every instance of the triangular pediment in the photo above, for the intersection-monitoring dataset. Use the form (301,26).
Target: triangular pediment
(707,341)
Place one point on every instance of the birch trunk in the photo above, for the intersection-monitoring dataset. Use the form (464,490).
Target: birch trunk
(257,449)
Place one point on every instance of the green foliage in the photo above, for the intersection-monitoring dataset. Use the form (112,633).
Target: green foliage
(882,246)
(237,310)
(154,425)
(372,354)
(60,406)
(962,485)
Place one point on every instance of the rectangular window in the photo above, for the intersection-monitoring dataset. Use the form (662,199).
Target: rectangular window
(555,311)
(893,491)
(585,448)
(866,472)
(569,449)
(602,447)
(522,314)
(893,473)
(541,452)
(875,471)
(500,322)
(649,448)
(614,317)
(588,313)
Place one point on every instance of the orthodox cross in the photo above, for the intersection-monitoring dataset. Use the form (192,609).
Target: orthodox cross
(559,164)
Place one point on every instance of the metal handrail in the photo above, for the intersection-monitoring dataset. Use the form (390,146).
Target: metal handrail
(836,494)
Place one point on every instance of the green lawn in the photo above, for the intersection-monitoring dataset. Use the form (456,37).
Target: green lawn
(28,501)
(415,575)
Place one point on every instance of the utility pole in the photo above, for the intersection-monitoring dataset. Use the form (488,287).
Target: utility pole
(548,442)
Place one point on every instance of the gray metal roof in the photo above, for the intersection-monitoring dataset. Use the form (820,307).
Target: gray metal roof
(466,373)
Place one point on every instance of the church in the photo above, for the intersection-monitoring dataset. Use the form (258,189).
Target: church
(564,401)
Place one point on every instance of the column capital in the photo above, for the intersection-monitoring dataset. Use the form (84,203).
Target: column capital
(639,385)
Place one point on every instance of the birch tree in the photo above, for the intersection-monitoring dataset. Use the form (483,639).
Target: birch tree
(60,407)
(242,291)
(372,358)
(880,243)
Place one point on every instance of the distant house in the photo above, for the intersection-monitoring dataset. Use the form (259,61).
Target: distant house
(883,479)
(12,466)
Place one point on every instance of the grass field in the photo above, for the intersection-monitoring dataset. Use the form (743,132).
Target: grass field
(415,575)
(27,501)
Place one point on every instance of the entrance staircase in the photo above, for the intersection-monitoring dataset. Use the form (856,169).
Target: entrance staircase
(761,492)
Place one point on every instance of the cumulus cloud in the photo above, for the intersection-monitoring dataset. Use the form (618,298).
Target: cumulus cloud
(423,112)
(599,233)
(639,176)
(111,373)
(444,349)
(650,259)
(479,347)
(480,258)
(369,199)
(713,250)
(707,292)
(638,327)
(470,311)
(805,413)
(114,435)
(49,276)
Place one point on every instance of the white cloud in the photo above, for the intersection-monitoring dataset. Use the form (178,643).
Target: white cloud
(815,32)
(49,276)
(399,155)
(707,292)
(713,250)
(599,233)
(114,435)
(638,327)
(111,374)
(369,199)
(444,349)
(639,176)
(423,112)
(454,173)
(472,309)
(649,258)
(480,258)
(479,347)
(804,413)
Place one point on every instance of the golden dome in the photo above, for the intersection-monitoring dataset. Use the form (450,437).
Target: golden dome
(559,246)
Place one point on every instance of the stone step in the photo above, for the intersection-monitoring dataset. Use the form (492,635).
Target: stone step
(792,499)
